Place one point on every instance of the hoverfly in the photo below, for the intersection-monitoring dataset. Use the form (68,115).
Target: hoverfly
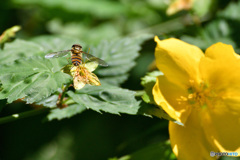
(76,55)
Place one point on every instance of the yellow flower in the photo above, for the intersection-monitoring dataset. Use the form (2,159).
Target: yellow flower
(202,91)
(178,5)
(82,74)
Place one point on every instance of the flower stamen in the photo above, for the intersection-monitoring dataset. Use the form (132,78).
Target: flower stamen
(198,95)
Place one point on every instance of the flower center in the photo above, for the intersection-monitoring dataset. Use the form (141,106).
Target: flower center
(199,95)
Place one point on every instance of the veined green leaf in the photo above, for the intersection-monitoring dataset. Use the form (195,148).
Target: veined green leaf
(49,102)
(120,55)
(106,98)
(56,43)
(32,79)
(67,112)
(19,49)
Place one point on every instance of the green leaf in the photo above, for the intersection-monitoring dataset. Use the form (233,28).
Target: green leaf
(148,82)
(19,49)
(56,43)
(115,80)
(49,102)
(232,11)
(33,79)
(106,98)
(67,112)
(216,31)
(201,8)
(120,55)
(154,110)
(159,151)
(78,29)
(102,9)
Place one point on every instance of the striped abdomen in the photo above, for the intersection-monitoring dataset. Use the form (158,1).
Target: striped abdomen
(76,59)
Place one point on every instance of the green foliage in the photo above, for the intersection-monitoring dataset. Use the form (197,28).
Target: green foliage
(26,77)
(56,43)
(201,8)
(67,112)
(59,148)
(49,102)
(93,20)
(148,82)
(224,28)
(32,79)
(102,9)
(160,151)
(231,11)
(153,110)
(19,49)
(216,31)
(77,29)
(120,55)
(40,80)
(106,98)
(115,31)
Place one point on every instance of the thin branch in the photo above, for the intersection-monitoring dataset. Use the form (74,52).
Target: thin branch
(26,114)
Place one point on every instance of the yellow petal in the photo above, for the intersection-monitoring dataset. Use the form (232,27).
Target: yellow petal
(189,142)
(91,66)
(221,125)
(178,60)
(78,82)
(179,5)
(171,98)
(220,69)
(93,79)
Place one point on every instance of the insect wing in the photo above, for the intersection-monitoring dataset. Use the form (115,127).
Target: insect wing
(57,54)
(95,59)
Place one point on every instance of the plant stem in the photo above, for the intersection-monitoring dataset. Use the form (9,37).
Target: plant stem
(64,90)
(139,93)
(26,114)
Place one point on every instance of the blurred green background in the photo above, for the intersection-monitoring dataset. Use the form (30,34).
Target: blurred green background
(91,135)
